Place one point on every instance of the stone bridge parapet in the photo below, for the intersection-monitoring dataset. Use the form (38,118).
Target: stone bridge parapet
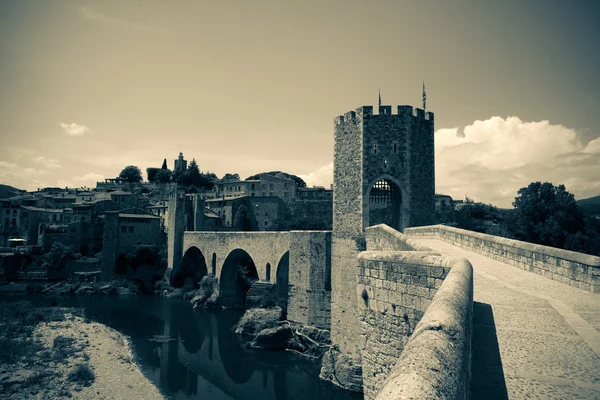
(575,269)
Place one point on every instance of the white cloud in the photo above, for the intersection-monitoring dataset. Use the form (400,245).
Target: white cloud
(46,162)
(74,129)
(492,159)
(323,176)
(91,177)
(15,175)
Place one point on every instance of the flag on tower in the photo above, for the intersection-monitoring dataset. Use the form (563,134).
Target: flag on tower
(379,97)
(424,97)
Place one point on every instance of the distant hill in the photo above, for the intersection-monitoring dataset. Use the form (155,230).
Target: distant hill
(591,205)
(8,191)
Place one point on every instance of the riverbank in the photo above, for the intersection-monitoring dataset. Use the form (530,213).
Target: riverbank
(52,352)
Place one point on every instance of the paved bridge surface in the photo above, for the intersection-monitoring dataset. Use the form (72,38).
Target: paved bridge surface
(532,337)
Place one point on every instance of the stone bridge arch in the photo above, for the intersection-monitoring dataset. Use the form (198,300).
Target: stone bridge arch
(191,269)
(238,273)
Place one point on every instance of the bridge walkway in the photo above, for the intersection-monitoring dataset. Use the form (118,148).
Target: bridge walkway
(532,337)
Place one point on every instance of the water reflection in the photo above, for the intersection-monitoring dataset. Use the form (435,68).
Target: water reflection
(206,359)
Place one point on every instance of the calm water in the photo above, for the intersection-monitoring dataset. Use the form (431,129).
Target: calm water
(205,360)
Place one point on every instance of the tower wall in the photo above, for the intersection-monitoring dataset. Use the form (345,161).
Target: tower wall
(363,154)
(176,224)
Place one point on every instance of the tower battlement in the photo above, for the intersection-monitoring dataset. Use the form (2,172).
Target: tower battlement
(384,111)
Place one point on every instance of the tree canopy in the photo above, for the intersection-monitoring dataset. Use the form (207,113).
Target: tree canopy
(231,177)
(151,173)
(546,214)
(131,174)
(242,219)
(298,180)
(163,176)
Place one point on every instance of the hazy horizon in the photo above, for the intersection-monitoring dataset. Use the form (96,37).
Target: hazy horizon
(89,87)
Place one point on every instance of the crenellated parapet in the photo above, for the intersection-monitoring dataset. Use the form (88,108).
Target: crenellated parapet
(364,112)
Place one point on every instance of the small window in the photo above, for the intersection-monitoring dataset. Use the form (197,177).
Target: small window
(123,229)
(384,163)
(266,214)
(131,229)
(375,148)
(266,222)
(395,146)
(14,213)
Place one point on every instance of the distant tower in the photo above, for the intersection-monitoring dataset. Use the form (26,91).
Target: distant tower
(383,172)
(164,166)
(180,164)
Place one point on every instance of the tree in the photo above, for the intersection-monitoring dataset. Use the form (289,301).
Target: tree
(164,166)
(192,175)
(163,176)
(231,177)
(547,214)
(151,172)
(58,256)
(299,181)
(131,174)
(242,219)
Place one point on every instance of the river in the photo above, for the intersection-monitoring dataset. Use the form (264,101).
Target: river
(194,354)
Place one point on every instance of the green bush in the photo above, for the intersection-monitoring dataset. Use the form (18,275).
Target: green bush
(82,374)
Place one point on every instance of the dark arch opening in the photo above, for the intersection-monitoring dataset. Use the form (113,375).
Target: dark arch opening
(214,264)
(191,271)
(268,274)
(385,202)
(237,276)
(282,280)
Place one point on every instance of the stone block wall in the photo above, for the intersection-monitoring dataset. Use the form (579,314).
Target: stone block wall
(394,290)
(575,269)
(309,291)
(436,360)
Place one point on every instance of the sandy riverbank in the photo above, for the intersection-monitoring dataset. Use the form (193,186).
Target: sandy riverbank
(56,349)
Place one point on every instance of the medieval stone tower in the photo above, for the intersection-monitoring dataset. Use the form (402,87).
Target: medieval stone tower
(383,173)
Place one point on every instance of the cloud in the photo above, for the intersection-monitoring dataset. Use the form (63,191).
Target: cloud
(74,129)
(47,163)
(91,177)
(490,160)
(323,176)
(15,175)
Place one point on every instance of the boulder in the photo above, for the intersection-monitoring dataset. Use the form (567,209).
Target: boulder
(175,294)
(123,290)
(84,290)
(108,289)
(342,370)
(257,319)
(273,338)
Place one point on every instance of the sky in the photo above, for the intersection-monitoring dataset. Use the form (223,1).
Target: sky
(88,87)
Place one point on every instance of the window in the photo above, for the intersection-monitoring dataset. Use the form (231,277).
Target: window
(252,186)
(395,148)
(268,272)
(266,222)
(123,229)
(375,148)
(384,163)
(266,214)
(14,213)
(131,229)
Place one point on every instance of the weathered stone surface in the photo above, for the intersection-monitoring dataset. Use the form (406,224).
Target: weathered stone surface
(273,338)
(342,370)
(436,360)
(257,319)
(209,287)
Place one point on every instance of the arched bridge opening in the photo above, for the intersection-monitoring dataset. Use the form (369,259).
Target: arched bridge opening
(237,276)
(385,204)
(191,271)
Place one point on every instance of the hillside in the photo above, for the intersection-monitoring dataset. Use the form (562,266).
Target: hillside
(8,191)
(590,205)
